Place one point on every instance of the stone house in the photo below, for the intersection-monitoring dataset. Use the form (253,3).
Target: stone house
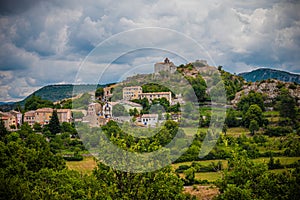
(149,119)
(132,92)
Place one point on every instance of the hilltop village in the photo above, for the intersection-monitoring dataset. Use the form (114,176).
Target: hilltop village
(100,111)
(258,146)
(133,104)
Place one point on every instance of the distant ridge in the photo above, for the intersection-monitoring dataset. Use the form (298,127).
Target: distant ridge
(54,93)
(60,92)
(266,73)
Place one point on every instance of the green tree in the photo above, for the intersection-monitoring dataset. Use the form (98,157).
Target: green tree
(3,130)
(224,129)
(199,88)
(35,102)
(253,127)
(133,112)
(231,118)
(99,92)
(68,128)
(287,105)
(246,180)
(162,184)
(251,99)
(240,177)
(37,127)
(145,103)
(77,114)
(119,110)
(253,113)
(54,126)
(190,175)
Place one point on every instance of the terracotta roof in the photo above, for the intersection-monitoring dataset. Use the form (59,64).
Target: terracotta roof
(129,87)
(153,93)
(63,110)
(149,115)
(44,110)
(15,112)
(30,113)
(5,114)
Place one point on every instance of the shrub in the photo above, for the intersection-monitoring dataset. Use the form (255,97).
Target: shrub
(74,158)
(278,130)
(182,168)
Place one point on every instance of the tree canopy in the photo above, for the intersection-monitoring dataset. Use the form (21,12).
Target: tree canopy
(54,126)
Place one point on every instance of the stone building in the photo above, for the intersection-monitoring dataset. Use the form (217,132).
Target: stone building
(94,109)
(9,120)
(29,117)
(132,92)
(149,119)
(43,116)
(166,66)
(156,95)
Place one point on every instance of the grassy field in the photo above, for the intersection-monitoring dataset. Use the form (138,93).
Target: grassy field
(271,113)
(210,176)
(88,163)
(85,166)
(190,131)
(202,162)
(237,131)
(283,160)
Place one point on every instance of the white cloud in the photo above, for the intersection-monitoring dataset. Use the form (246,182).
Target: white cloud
(45,42)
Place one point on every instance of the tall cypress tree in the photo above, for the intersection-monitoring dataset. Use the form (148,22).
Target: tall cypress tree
(3,130)
(54,125)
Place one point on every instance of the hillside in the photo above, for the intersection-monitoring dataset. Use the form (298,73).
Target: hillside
(59,92)
(270,89)
(265,73)
(55,93)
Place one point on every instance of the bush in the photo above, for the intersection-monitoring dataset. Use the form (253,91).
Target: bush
(182,168)
(292,86)
(74,158)
(278,130)
(259,139)
(270,153)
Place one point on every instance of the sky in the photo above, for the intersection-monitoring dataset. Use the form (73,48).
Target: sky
(51,42)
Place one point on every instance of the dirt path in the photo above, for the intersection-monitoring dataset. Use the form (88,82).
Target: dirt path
(202,192)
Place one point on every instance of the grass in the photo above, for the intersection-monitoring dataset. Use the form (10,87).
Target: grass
(191,131)
(213,176)
(237,131)
(202,162)
(85,166)
(279,170)
(283,160)
(68,151)
(210,176)
(271,113)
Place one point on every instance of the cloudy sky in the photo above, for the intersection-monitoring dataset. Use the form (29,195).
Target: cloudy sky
(46,42)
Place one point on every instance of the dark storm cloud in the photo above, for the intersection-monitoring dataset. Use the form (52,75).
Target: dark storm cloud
(8,7)
(44,42)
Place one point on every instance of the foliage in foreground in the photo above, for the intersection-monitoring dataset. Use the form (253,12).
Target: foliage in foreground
(246,180)
(30,170)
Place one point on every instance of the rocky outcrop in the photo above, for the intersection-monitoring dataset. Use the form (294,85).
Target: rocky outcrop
(270,89)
